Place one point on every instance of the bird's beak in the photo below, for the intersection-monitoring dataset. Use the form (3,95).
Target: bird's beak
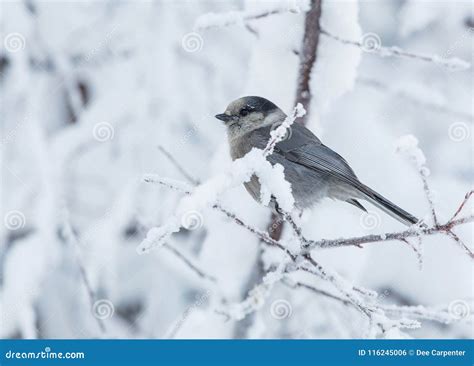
(223,117)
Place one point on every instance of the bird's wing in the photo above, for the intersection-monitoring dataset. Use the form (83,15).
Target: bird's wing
(305,149)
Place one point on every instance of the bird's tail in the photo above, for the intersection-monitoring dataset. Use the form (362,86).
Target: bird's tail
(387,206)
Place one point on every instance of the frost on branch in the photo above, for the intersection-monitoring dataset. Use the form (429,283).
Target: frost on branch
(61,86)
(409,145)
(271,178)
(214,20)
(281,131)
(256,297)
(387,321)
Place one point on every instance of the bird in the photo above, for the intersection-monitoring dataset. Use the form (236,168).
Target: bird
(314,170)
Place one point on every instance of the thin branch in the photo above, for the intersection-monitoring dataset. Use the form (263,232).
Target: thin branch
(458,240)
(262,235)
(329,243)
(178,166)
(428,195)
(281,131)
(374,238)
(375,313)
(451,63)
(417,250)
(426,104)
(461,206)
(188,262)
(296,229)
(71,238)
(219,20)
(439,314)
(242,17)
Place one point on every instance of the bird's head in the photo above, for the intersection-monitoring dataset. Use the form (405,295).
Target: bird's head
(249,113)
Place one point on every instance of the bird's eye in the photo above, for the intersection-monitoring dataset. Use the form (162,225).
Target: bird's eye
(244,111)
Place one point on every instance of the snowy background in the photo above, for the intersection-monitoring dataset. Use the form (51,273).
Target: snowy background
(93,94)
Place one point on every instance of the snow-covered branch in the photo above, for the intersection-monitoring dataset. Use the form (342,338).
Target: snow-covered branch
(378,315)
(307,56)
(400,235)
(442,314)
(271,178)
(308,245)
(218,20)
(427,102)
(369,42)
(281,131)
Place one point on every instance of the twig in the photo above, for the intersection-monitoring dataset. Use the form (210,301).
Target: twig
(428,194)
(262,235)
(282,130)
(461,206)
(330,243)
(451,63)
(71,237)
(296,228)
(178,166)
(373,238)
(426,104)
(456,238)
(189,263)
(417,250)
(376,314)
(218,20)
(439,314)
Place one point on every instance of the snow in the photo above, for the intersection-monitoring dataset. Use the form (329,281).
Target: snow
(210,20)
(409,145)
(283,130)
(271,178)
(336,69)
(88,100)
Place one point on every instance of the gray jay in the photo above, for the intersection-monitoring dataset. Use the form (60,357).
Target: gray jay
(313,169)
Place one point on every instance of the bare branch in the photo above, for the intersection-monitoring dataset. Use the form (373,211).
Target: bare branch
(71,238)
(188,262)
(178,166)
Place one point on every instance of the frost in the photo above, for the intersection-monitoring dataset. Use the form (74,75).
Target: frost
(211,20)
(87,97)
(157,236)
(337,64)
(408,145)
